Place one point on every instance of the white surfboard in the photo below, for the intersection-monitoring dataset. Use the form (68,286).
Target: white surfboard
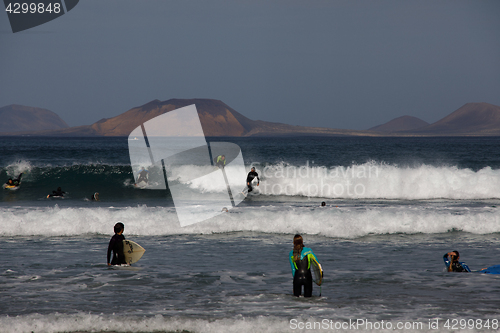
(317,272)
(132,251)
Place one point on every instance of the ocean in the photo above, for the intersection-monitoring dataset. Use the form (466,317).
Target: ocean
(394,206)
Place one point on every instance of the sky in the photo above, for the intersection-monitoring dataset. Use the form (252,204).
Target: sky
(329,63)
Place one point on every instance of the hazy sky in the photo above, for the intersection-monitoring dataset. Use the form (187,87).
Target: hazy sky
(339,64)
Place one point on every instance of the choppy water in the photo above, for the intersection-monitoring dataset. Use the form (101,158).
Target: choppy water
(394,207)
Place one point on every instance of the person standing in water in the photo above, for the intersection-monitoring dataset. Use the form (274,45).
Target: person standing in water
(300,261)
(116,246)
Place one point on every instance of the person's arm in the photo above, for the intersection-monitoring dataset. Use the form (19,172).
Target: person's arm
(464,265)
(448,260)
(110,248)
(309,252)
(292,264)
(258,180)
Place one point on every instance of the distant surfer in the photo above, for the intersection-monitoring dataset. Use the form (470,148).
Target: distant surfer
(452,263)
(14,182)
(251,175)
(220,161)
(300,260)
(57,193)
(323,204)
(143,176)
(116,246)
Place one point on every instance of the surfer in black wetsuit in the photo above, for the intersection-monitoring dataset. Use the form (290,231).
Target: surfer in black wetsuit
(15,181)
(300,258)
(251,175)
(143,176)
(116,245)
(57,193)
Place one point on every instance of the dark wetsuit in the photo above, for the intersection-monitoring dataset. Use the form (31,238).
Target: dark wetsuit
(143,176)
(250,177)
(116,245)
(57,193)
(16,181)
(302,277)
(455,266)
(302,273)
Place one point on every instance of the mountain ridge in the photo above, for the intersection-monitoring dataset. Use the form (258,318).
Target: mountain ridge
(18,118)
(219,119)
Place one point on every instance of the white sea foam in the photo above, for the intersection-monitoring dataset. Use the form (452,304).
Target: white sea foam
(373,180)
(158,323)
(343,221)
(14,169)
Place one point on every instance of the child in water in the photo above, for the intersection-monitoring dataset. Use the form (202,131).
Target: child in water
(116,246)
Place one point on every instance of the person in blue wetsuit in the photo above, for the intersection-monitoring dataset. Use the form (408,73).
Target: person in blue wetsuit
(300,261)
(452,263)
(116,246)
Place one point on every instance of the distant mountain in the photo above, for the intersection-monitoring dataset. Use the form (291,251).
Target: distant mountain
(471,119)
(20,118)
(217,119)
(404,123)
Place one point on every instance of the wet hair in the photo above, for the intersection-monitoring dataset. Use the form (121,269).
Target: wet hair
(119,227)
(456,252)
(298,245)
(323,204)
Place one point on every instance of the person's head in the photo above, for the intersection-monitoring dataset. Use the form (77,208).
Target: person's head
(455,255)
(10,181)
(253,169)
(224,209)
(298,240)
(119,227)
(298,245)
(223,157)
(323,204)
(96,196)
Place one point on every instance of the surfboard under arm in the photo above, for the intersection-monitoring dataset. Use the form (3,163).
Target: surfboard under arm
(132,251)
(317,271)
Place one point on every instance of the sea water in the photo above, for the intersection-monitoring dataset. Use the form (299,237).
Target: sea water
(394,206)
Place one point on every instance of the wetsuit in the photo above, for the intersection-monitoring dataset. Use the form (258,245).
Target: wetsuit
(16,181)
(219,162)
(455,266)
(250,177)
(58,193)
(143,177)
(302,273)
(116,245)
